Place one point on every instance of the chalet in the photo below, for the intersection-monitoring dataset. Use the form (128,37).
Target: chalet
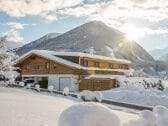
(78,71)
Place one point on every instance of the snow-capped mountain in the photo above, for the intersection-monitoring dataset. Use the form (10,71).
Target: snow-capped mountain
(158,53)
(103,39)
(36,43)
(13,45)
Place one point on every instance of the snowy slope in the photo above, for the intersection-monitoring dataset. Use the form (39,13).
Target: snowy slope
(132,91)
(37,42)
(19,107)
(158,53)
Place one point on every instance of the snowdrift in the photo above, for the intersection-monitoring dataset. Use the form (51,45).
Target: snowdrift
(88,114)
(92,114)
(133,91)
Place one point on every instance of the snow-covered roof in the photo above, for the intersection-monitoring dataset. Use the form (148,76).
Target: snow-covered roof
(80,54)
(104,76)
(52,55)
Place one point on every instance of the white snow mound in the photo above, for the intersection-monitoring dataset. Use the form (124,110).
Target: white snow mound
(161,115)
(146,118)
(88,114)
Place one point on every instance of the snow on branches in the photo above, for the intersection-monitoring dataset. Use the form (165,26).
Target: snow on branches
(7,60)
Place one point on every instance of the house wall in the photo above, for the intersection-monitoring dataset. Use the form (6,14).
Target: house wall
(96,84)
(55,81)
(105,63)
(37,65)
(74,59)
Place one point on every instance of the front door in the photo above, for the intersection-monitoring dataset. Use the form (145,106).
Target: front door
(64,82)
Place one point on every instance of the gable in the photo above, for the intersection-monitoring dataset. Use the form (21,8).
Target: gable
(38,65)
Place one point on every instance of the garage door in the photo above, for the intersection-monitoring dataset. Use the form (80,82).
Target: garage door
(64,82)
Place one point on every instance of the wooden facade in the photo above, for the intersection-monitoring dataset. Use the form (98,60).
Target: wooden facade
(39,65)
(95,84)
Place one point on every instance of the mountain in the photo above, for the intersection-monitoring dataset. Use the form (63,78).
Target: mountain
(164,58)
(158,53)
(103,39)
(13,45)
(35,44)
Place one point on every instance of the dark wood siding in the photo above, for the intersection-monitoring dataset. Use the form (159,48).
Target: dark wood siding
(96,84)
(39,65)
(104,63)
(74,59)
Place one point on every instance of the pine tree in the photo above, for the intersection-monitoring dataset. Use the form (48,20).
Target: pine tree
(7,60)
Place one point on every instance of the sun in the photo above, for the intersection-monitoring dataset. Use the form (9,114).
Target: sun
(131,32)
(131,36)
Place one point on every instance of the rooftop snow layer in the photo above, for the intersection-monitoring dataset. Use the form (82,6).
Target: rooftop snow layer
(82,55)
(52,55)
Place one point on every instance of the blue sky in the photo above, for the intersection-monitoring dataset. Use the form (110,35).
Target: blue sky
(144,21)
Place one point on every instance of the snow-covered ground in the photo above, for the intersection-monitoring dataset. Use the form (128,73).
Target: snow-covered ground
(134,92)
(21,107)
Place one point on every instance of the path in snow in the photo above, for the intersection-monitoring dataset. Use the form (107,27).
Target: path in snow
(19,107)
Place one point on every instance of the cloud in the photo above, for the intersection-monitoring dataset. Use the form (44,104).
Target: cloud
(13,35)
(152,10)
(84,10)
(44,8)
(15,25)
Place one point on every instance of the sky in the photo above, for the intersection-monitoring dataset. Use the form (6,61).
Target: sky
(144,21)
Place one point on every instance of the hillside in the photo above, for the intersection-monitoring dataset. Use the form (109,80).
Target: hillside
(105,41)
(158,53)
(36,43)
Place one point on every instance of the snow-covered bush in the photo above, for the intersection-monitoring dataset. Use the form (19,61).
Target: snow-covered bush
(37,87)
(51,88)
(88,114)
(66,91)
(90,95)
(7,60)
(22,84)
(161,115)
(136,94)
(29,86)
(147,118)
(141,82)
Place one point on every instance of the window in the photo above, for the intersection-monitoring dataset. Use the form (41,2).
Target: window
(96,64)
(47,65)
(84,62)
(120,66)
(110,65)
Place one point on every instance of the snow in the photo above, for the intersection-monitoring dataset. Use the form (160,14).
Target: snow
(89,95)
(146,118)
(66,91)
(88,114)
(111,52)
(104,76)
(37,87)
(22,84)
(50,88)
(22,107)
(161,115)
(7,60)
(52,55)
(132,90)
